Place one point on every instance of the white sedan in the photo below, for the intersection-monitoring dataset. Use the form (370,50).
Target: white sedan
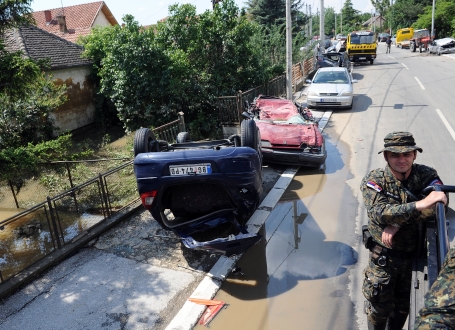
(330,88)
(442,46)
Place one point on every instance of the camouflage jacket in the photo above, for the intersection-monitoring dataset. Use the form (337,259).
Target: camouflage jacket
(388,203)
(439,310)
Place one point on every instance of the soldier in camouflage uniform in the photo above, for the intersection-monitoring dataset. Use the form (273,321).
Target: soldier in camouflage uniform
(439,310)
(394,211)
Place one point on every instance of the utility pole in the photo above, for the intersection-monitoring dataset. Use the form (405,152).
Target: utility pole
(311,23)
(432,23)
(288,51)
(321,27)
(341,18)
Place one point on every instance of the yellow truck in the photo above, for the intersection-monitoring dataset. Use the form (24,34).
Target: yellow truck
(361,46)
(403,37)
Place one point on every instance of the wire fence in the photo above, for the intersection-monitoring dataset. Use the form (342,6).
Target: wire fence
(32,234)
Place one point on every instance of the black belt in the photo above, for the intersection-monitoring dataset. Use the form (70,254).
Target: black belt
(393,253)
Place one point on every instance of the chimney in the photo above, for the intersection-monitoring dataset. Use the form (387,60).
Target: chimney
(62,23)
(48,16)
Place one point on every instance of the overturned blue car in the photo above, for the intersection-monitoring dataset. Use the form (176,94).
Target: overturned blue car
(204,191)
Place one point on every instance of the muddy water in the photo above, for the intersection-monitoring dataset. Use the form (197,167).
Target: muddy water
(297,276)
(31,237)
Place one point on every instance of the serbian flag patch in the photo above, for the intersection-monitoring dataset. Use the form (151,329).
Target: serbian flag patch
(436,181)
(374,186)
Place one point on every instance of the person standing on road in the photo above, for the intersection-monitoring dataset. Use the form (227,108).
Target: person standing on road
(394,212)
(388,43)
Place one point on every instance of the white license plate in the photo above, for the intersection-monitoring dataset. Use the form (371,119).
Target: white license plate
(196,169)
(328,100)
(362,58)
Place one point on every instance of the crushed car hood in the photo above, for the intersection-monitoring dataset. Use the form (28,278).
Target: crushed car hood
(276,109)
(290,134)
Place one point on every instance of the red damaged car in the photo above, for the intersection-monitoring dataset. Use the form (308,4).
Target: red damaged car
(289,133)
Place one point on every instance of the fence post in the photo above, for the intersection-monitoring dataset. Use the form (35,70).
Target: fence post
(54,223)
(72,186)
(182,121)
(239,106)
(105,197)
(14,194)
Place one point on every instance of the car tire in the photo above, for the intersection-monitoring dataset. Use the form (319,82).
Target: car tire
(412,47)
(371,62)
(439,53)
(144,141)
(249,134)
(183,137)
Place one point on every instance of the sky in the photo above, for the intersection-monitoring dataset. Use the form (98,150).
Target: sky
(148,12)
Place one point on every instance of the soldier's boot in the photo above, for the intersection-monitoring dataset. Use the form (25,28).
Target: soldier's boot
(372,326)
(396,320)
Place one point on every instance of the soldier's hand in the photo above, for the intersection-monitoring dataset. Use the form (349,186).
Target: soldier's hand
(431,200)
(387,235)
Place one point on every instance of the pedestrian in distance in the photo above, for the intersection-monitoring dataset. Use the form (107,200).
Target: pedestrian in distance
(439,309)
(388,43)
(394,211)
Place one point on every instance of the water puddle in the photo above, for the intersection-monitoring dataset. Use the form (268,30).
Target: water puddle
(297,276)
(30,237)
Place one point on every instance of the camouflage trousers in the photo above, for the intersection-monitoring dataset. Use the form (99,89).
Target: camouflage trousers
(439,310)
(387,288)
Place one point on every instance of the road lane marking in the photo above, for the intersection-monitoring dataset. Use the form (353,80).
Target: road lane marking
(446,123)
(405,66)
(418,81)
(394,58)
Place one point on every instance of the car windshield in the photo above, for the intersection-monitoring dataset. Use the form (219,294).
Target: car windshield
(331,77)
(362,39)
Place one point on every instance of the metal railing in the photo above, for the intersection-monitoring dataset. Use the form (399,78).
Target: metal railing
(29,236)
(169,131)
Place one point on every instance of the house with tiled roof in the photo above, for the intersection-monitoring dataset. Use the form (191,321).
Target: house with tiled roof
(74,21)
(67,67)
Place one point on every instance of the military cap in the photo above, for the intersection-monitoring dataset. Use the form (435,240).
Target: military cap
(399,142)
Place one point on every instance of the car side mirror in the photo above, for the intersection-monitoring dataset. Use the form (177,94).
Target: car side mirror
(308,81)
(354,80)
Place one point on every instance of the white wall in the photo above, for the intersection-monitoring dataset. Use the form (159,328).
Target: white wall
(101,20)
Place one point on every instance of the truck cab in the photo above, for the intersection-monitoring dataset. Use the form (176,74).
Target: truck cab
(421,40)
(403,37)
(361,46)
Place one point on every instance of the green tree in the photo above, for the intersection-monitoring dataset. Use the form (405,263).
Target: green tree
(444,17)
(404,13)
(14,13)
(273,12)
(180,64)
(351,19)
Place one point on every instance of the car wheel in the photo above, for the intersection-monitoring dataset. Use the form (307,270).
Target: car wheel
(249,134)
(144,141)
(420,48)
(183,137)
(371,62)
(412,47)
(439,53)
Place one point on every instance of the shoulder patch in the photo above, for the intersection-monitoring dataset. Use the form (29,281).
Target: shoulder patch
(374,186)
(436,181)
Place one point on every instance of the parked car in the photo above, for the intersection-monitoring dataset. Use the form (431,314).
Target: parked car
(333,47)
(382,37)
(442,46)
(327,43)
(289,132)
(333,59)
(394,40)
(197,188)
(340,37)
(331,88)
